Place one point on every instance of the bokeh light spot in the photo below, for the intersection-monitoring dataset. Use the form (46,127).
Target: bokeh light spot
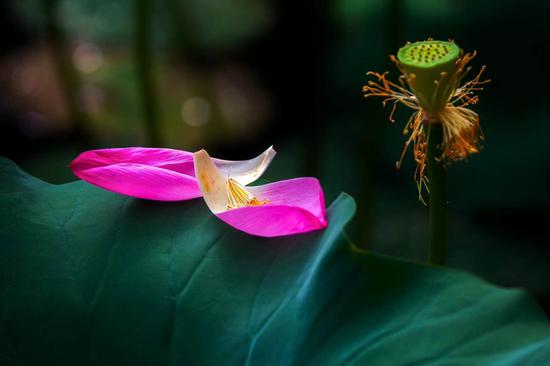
(196,111)
(87,57)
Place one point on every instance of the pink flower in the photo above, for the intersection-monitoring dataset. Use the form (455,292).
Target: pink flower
(157,174)
(282,208)
(277,209)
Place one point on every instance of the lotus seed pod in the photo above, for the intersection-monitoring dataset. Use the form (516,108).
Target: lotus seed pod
(431,71)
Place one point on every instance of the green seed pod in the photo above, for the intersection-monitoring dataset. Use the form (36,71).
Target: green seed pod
(431,71)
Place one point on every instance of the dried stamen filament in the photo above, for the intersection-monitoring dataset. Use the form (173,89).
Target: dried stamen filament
(238,196)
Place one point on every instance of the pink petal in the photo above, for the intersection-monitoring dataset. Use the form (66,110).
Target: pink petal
(176,160)
(150,173)
(246,171)
(295,206)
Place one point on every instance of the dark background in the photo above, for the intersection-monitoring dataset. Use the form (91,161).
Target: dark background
(235,76)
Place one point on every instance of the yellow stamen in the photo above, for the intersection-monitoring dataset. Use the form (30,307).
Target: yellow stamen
(238,196)
(461,133)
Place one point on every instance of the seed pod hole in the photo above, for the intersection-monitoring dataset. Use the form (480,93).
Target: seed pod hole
(428,53)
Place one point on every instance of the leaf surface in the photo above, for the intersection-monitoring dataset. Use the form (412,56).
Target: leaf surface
(89,277)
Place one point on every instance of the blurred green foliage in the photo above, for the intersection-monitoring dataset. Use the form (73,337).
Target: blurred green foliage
(215,25)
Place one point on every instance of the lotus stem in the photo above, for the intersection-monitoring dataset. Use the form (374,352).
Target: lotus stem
(442,129)
(143,59)
(437,237)
(67,73)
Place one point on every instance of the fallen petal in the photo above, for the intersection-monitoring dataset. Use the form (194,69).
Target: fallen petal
(246,171)
(293,206)
(149,173)
(305,193)
(158,174)
(211,181)
(283,208)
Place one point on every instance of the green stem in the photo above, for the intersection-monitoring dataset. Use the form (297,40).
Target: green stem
(143,59)
(68,75)
(437,239)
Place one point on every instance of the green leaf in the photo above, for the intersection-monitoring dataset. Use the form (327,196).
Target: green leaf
(89,277)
